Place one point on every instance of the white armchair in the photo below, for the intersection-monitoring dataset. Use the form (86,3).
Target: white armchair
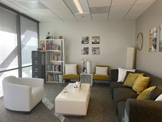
(22,94)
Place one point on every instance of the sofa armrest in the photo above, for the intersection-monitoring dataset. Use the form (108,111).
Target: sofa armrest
(113,75)
(17,97)
(143,111)
(32,81)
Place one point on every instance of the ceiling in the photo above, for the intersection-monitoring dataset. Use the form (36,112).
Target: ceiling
(94,10)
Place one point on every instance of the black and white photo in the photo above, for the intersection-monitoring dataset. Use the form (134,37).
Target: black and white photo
(160,38)
(95,50)
(84,50)
(152,40)
(85,40)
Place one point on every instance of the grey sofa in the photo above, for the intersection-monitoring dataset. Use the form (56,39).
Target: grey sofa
(128,108)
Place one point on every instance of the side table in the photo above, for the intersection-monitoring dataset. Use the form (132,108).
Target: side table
(86,74)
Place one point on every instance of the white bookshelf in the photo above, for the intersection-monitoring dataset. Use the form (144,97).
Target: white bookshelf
(49,58)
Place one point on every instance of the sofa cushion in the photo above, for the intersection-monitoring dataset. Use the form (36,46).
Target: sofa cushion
(155,93)
(122,94)
(141,83)
(122,73)
(146,93)
(121,110)
(101,77)
(116,85)
(131,78)
(71,76)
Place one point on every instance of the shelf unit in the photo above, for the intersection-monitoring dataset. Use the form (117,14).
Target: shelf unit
(54,59)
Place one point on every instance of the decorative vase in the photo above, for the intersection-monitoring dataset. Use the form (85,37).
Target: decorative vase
(89,67)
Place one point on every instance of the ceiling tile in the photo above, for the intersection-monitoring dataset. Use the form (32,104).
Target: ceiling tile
(54,4)
(117,15)
(116,18)
(82,16)
(145,2)
(123,2)
(131,17)
(85,6)
(99,3)
(141,8)
(95,10)
(120,8)
(33,4)
(46,13)
(102,16)
(61,11)
(134,13)
(67,17)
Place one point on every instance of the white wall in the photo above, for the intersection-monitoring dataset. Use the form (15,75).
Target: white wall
(115,37)
(150,61)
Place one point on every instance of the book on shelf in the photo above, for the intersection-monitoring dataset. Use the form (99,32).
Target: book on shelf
(57,58)
(52,67)
(53,77)
(52,47)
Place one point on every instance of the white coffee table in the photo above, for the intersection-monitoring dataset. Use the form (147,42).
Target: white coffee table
(73,103)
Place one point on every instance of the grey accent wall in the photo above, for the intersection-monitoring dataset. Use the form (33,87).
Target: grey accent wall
(115,37)
(150,61)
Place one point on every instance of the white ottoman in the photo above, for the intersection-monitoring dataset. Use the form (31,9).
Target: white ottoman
(73,103)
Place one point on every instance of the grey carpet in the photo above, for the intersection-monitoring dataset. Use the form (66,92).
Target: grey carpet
(100,109)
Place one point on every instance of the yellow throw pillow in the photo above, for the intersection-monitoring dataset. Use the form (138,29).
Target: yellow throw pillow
(129,81)
(141,83)
(146,93)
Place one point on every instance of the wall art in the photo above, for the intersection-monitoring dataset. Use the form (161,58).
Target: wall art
(95,50)
(85,40)
(160,38)
(84,50)
(95,39)
(152,40)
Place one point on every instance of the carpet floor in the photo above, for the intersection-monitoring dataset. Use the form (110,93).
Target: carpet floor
(101,107)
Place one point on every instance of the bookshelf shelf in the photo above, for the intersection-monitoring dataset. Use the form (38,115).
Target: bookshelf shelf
(53,82)
(54,72)
(55,59)
(53,50)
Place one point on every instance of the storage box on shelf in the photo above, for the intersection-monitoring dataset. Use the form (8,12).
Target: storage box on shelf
(54,49)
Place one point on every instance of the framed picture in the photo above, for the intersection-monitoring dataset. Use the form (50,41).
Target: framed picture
(85,40)
(160,38)
(95,50)
(84,50)
(152,40)
(95,39)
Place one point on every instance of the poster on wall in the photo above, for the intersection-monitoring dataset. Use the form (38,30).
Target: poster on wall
(85,40)
(95,39)
(95,50)
(84,50)
(152,40)
(160,38)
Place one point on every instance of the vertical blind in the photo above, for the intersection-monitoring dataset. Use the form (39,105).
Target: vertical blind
(8,44)
(12,62)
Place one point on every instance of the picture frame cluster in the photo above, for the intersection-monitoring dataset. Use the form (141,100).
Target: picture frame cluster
(95,50)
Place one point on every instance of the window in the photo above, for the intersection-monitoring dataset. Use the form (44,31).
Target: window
(8,40)
(15,47)
(29,40)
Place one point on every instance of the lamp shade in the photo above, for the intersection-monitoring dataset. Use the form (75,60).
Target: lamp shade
(89,67)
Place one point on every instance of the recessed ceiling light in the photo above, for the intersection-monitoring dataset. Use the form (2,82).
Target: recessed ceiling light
(33,4)
(77,3)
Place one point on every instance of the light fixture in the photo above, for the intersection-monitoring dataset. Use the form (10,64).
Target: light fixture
(77,3)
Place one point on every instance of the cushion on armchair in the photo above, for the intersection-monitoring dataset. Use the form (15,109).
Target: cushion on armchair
(71,76)
(101,77)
